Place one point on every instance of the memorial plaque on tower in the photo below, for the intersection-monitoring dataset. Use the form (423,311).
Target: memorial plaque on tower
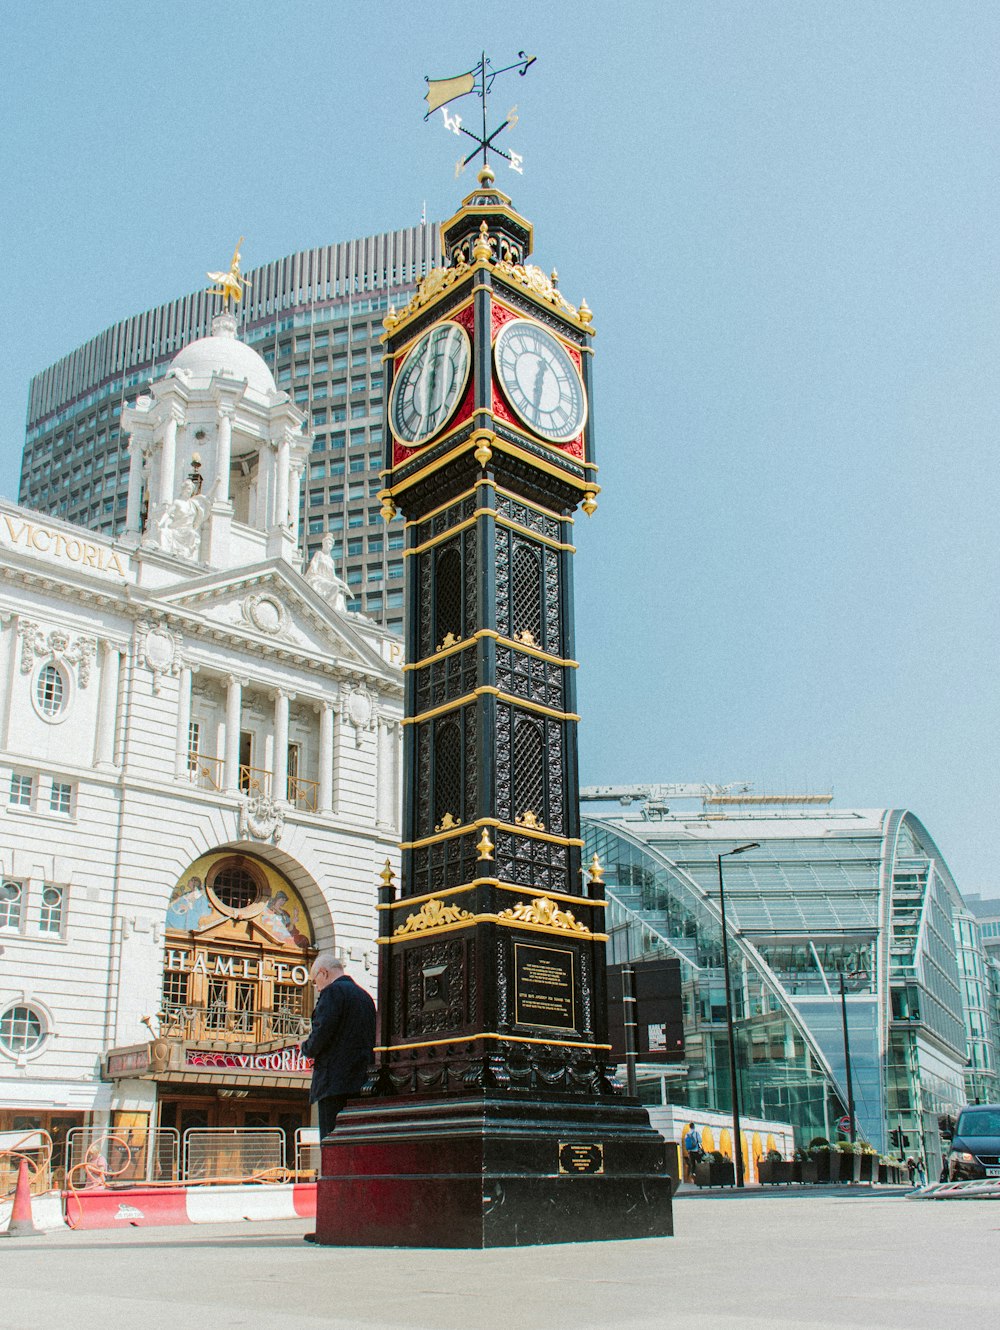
(494,1116)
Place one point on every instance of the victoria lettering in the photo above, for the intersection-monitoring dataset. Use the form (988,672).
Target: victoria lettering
(46,541)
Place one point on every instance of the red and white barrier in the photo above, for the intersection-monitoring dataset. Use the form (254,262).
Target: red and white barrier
(46,1210)
(99,1207)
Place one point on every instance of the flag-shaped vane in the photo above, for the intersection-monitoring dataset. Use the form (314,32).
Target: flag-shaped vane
(479,80)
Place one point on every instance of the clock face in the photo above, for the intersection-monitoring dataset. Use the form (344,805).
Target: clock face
(540,380)
(430,384)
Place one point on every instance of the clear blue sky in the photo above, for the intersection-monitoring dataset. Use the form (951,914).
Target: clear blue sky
(785,218)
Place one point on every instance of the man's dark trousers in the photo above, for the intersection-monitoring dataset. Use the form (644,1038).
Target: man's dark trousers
(341,1045)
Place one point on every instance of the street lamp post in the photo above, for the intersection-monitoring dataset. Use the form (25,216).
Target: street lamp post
(847,1060)
(737,1138)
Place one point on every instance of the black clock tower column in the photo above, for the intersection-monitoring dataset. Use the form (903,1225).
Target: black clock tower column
(493,1118)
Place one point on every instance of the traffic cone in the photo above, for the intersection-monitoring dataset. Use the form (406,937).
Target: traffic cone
(21,1223)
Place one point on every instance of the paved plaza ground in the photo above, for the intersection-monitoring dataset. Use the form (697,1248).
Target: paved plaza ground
(782,1260)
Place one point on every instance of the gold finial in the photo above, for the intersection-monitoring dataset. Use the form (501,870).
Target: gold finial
(391,319)
(483,452)
(589,504)
(485,846)
(554,279)
(530,819)
(485,176)
(584,314)
(388,507)
(481,249)
(231,283)
(387,876)
(596,872)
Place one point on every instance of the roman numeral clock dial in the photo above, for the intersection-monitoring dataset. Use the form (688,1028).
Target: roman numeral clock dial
(540,380)
(430,384)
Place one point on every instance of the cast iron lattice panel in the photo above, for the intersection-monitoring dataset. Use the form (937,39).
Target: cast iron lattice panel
(516,772)
(445,679)
(446,863)
(527,862)
(448,593)
(529,766)
(524,515)
(529,678)
(448,517)
(448,768)
(517,591)
(527,590)
(447,597)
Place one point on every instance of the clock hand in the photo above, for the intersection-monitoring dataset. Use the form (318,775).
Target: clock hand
(539,382)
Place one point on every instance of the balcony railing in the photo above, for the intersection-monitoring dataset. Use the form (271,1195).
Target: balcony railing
(246,1027)
(205,772)
(303,794)
(209,774)
(254,780)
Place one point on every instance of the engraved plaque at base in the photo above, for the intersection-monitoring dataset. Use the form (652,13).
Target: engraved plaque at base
(544,987)
(581,1157)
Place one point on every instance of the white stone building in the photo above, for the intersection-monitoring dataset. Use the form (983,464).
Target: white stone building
(199,767)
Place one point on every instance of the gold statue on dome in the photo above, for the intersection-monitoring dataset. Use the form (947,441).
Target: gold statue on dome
(231,283)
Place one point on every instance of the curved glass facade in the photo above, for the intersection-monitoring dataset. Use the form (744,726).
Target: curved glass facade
(830,898)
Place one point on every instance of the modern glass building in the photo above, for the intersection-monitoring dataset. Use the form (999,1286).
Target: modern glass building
(316,318)
(827,893)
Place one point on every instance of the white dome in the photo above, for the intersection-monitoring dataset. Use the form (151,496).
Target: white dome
(224,353)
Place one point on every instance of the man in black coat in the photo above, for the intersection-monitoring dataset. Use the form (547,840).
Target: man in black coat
(342,1041)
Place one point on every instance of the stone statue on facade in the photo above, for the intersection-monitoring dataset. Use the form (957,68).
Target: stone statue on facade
(178,528)
(322,576)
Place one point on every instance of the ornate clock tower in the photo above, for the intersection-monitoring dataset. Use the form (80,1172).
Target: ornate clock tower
(494,1117)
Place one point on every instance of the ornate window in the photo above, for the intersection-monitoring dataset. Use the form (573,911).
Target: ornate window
(50,691)
(237,885)
(22,1030)
(50,917)
(11,903)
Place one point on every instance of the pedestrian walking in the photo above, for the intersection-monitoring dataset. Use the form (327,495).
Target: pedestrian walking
(692,1150)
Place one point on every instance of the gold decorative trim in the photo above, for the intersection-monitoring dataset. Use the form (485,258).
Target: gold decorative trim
(442,507)
(449,640)
(505,920)
(447,823)
(546,913)
(407,902)
(487,1034)
(530,820)
(482,691)
(432,915)
(470,827)
(480,633)
(506,522)
(436,282)
(544,290)
(561,473)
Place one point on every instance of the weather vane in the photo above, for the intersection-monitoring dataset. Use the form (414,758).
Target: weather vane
(231,283)
(478,80)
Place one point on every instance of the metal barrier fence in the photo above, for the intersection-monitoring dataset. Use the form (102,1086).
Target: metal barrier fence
(36,1147)
(307,1153)
(234,1153)
(124,1154)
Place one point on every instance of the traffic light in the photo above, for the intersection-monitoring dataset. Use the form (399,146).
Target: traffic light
(899,1139)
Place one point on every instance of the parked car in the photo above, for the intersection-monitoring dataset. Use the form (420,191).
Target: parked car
(975,1147)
